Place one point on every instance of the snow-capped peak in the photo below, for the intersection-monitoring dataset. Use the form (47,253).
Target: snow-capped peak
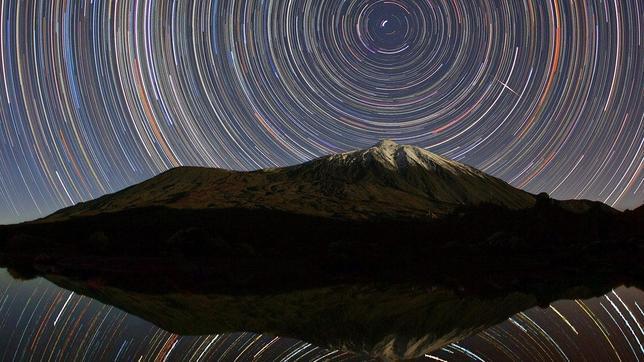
(397,156)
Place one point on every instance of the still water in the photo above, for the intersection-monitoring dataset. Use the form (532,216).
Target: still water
(41,321)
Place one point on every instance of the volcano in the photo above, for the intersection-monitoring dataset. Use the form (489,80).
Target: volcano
(385,181)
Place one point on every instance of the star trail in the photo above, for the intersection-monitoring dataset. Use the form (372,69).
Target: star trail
(97,95)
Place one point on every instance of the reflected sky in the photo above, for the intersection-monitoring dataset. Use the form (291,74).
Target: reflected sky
(40,321)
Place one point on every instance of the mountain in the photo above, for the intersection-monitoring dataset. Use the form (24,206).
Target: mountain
(287,250)
(387,180)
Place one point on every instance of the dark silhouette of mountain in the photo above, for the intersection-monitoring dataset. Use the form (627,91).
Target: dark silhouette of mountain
(332,249)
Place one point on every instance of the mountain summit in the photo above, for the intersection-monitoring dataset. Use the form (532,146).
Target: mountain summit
(399,157)
(386,180)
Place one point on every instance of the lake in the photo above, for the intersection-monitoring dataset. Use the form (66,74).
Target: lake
(41,321)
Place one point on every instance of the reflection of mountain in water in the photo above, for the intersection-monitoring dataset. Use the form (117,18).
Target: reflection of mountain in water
(387,320)
(393,322)
(522,339)
(392,250)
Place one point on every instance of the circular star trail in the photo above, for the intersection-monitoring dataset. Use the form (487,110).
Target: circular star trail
(97,95)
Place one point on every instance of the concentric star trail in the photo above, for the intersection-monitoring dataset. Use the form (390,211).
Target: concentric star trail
(97,95)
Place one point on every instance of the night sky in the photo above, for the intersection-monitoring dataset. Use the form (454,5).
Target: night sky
(97,95)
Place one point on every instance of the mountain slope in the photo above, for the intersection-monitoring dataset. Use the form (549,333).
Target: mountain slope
(387,180)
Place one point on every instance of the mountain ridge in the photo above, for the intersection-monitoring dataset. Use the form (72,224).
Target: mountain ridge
(387,180)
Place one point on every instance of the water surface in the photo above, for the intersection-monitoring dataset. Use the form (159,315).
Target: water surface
(41,321)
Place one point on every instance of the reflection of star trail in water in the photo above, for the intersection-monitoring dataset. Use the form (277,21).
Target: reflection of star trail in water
(96,95)
(601,329)
(39,319)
